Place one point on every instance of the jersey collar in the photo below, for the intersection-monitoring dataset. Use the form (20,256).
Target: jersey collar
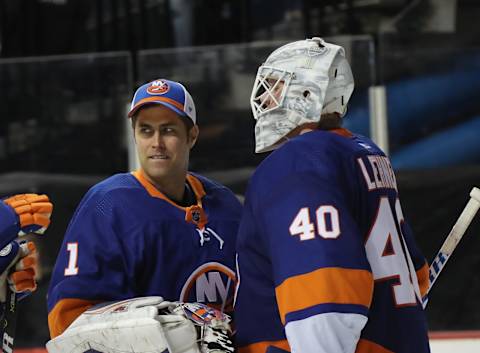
(342,132)
(193,214)
(194,182)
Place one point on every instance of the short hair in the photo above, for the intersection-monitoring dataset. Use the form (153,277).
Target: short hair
(330,121)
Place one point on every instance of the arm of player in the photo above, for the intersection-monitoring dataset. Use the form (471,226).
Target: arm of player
(22,214)
(340,332)
(324,285)
(325,310)
(94,263)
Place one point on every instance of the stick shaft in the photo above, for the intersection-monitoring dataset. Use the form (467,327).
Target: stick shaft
(9,322)
(454,237)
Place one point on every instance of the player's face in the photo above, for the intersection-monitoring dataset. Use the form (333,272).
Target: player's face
(163,144)
(271,100)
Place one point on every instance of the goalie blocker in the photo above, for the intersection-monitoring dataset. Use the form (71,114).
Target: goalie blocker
(147,324)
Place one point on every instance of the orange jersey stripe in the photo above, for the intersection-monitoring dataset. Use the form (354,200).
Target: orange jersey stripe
(326,285)
(423,279)
(261,347)
(65,312)
(366,346)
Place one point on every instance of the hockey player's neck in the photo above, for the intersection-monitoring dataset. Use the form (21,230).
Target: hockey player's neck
(172,186)
(302,129)
(329,122)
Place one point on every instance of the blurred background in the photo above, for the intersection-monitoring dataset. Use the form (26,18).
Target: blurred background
(68,69)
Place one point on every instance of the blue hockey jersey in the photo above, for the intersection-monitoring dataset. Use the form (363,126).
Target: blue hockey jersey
(322,238)
(126,239)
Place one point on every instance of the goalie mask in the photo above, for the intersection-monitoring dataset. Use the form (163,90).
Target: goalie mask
(298,83)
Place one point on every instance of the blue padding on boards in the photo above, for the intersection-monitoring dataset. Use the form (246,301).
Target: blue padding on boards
(460,144)
(419,102)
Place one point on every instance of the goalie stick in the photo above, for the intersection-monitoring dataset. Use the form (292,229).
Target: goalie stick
(453,239)
(9,321)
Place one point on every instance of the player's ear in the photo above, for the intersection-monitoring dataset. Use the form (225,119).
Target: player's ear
(134,122)
(193,135)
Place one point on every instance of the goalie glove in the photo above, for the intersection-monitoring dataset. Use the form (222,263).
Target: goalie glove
(146,325)
(22,214)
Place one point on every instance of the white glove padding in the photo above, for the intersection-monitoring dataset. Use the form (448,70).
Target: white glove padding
(144,325)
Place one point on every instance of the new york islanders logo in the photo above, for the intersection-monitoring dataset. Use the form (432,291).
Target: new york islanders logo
(158,87)
(212,283)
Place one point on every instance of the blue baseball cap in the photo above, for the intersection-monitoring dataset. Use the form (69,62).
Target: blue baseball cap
(171,94)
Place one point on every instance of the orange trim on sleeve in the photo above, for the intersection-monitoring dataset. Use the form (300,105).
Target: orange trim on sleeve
(261,347)
(366,346)
(423,279)
(326,285)
(65,312)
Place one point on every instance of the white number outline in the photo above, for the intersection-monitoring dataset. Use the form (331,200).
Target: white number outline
(334,222)
(72,267)
(400,249)
(302,226)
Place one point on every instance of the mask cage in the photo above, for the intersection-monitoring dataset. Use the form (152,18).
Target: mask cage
(269,89)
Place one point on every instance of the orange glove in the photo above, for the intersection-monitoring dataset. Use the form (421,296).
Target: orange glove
(18,263)
(33,212)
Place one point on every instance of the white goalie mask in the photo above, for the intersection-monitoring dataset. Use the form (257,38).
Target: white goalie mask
(298,83)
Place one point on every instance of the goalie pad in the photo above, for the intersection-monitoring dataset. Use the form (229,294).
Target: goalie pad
(146,325)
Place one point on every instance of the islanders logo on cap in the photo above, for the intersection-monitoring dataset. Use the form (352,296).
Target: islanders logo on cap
(158,87)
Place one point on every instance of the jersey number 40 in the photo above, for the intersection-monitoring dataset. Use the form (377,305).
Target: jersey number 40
(328,225)
(388,255)
(386,249)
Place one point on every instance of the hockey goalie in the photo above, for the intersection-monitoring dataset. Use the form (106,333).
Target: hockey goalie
(146,325)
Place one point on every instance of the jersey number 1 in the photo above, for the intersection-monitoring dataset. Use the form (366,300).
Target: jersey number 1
(72,268)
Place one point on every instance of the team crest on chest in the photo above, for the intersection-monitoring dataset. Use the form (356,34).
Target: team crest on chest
(212,283)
